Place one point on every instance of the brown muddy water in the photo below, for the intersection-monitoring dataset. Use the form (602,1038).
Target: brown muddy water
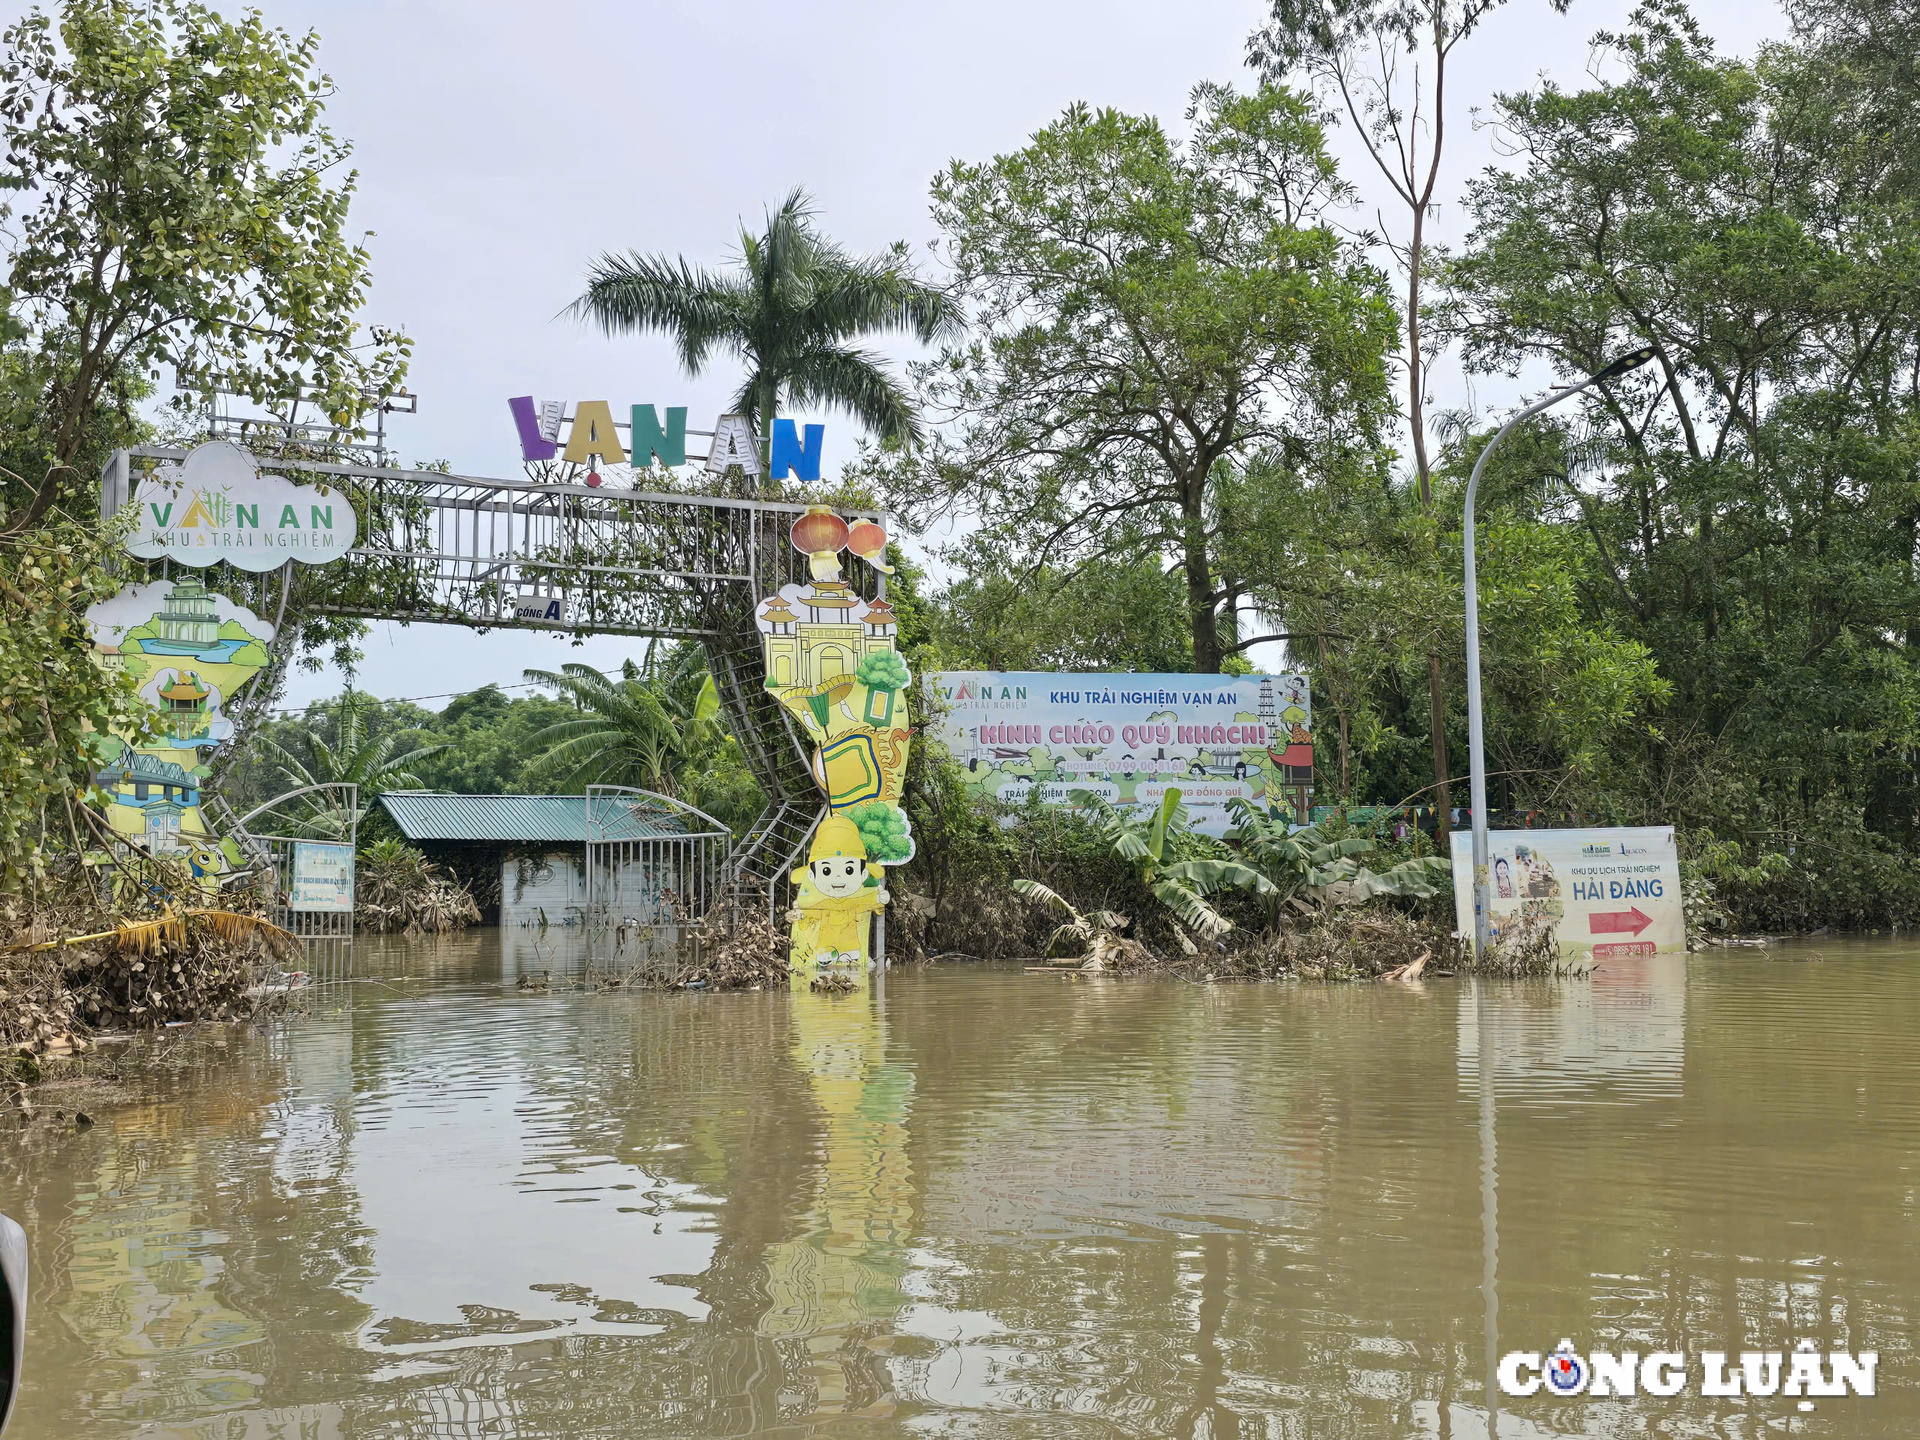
(980,1204)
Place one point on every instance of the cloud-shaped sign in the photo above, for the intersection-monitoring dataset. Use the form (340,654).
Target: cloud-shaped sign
(147,605)
(216,505)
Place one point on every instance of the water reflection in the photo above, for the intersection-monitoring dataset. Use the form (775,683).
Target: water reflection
(977,1203)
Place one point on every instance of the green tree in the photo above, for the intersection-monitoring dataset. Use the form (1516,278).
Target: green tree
(56,703)
(788,310)
(488,739)
(648,728)
(1384,64)
(352,757)
(175,202)
(1148,311)
(1119,615)
(1745,507)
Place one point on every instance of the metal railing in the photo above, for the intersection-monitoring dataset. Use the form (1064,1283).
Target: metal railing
(442,548)
(655,870)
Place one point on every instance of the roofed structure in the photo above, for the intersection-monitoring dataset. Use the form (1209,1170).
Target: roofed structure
(541,819)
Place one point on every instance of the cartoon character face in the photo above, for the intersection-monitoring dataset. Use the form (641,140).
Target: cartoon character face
(838,876)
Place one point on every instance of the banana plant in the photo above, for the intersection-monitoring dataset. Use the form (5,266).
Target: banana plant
(1090,928)
(1308,869)
(1181,885)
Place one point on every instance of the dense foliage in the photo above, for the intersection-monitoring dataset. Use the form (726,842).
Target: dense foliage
(175,203)
(648,724)
(1699,586)
(1190,412)
(1145,311)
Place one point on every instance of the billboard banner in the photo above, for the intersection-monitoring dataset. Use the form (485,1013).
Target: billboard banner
(1129,738)
(1607,892)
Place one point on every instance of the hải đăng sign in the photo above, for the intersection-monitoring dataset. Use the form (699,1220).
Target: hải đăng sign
(1603,892)
(1129,738)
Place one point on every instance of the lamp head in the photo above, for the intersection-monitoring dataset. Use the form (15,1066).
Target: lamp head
(1632,360)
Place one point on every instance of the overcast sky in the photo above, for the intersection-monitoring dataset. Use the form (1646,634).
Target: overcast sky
(502,145)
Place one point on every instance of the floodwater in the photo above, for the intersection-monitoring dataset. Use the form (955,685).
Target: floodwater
(981,1204)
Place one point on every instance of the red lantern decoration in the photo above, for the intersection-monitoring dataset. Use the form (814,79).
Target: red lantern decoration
(869,542)
(819,529)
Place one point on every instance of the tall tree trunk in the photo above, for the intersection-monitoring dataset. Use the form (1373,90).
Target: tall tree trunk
(1423,468)
(1437,728)
(1200,595)
(1423,471)
(769,402)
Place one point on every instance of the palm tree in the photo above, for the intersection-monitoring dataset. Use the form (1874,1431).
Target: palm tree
(641,729)
(352,759)
(788,309)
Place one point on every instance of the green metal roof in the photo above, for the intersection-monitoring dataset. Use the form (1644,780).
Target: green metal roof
(533,819)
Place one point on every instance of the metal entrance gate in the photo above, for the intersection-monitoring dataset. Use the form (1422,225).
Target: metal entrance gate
(462,549)
(655,870)
(323,814)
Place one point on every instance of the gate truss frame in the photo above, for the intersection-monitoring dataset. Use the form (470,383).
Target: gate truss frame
(436,547)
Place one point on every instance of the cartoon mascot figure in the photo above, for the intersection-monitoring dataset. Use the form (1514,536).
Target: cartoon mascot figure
(839,894)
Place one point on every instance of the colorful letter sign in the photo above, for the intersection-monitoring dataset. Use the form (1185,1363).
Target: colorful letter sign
(669,447)
(830,659)
(216,505)
(789,453)
(594,435)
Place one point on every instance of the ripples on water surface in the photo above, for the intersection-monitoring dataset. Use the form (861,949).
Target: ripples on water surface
(985,1204)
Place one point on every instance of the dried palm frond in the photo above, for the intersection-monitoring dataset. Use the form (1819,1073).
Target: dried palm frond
(234,927)
(145,937)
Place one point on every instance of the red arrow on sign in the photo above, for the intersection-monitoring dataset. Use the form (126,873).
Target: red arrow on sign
(1609,922)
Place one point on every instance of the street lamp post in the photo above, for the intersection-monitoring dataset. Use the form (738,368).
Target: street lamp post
(1477,788)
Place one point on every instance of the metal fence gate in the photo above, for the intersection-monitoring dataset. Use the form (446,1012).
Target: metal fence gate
(323,814)
(655,870)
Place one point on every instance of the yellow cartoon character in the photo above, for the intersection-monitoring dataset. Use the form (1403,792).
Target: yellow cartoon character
(833,912)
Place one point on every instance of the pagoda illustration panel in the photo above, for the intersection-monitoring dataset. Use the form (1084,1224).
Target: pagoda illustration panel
(191,651)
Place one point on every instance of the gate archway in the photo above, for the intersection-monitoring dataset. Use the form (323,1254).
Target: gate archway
(438,548)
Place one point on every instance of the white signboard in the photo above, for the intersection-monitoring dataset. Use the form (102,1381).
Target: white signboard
(1129,738)
(1608,892)
(216,505)
(552,609)
(322,878)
